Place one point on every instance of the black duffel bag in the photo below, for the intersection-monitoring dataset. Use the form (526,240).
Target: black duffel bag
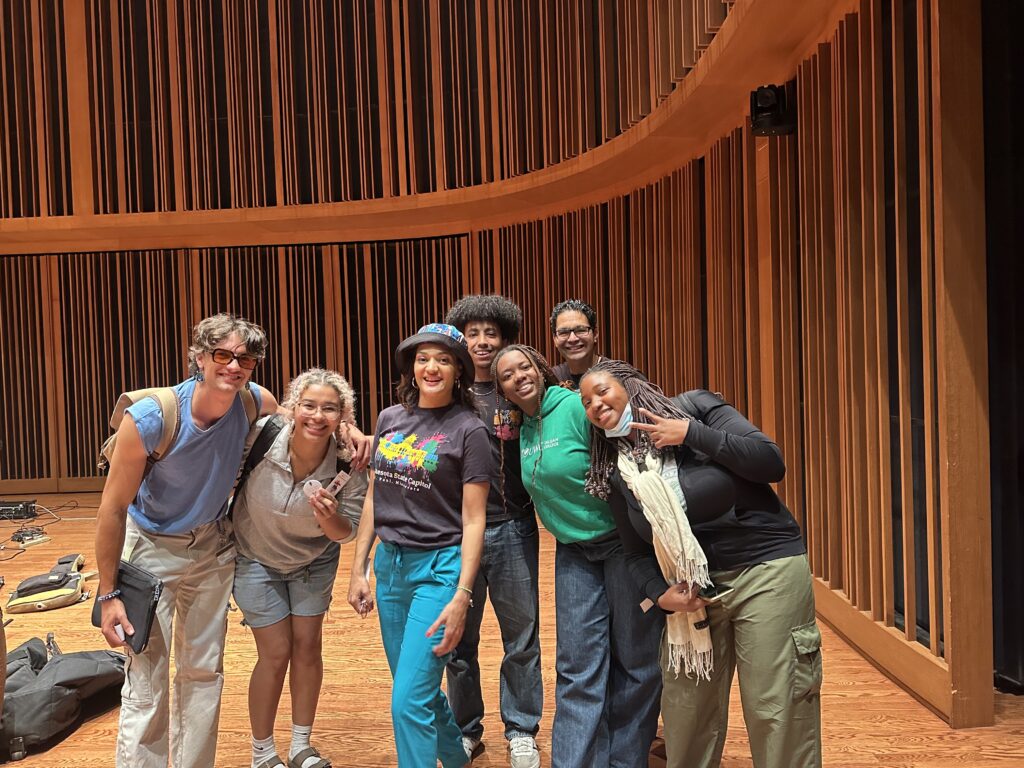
(47,695)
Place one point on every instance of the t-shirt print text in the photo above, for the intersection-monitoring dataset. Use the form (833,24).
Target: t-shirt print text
(551,442)
(407,460)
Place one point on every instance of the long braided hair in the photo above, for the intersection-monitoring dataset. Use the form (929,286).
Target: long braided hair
(604,450)
(548,379)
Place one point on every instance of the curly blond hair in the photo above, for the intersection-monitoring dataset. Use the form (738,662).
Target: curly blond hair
(324,378)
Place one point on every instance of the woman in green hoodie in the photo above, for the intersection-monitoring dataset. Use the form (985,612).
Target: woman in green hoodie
(609,680)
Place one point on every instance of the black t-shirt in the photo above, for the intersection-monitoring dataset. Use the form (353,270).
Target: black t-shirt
(567,378)
(423,458)
(503,421)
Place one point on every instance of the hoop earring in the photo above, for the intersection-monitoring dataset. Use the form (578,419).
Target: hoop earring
(414,384)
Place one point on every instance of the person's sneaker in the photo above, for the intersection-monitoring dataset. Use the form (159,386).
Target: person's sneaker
(470,744)
(522,752)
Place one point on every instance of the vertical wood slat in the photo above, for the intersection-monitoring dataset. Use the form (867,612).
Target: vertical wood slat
(961,336)
(931,472)
(80,135)
(902,310)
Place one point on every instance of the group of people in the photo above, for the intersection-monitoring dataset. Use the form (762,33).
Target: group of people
(676,563)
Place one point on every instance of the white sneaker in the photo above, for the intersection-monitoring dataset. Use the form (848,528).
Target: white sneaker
(470,743)
(522,752)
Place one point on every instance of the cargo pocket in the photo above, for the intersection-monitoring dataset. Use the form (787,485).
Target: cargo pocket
(807,663)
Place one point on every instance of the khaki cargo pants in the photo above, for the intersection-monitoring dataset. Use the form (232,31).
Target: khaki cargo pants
(766,630)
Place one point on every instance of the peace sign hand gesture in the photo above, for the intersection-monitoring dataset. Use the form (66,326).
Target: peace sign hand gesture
(663,431)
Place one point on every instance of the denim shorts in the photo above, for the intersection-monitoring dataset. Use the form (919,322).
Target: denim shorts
(267,596)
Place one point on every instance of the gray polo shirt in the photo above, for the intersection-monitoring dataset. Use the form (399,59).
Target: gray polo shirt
(273,520)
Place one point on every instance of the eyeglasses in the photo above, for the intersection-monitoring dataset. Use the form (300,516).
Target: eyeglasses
(225,356)
(581,331)
(307,408)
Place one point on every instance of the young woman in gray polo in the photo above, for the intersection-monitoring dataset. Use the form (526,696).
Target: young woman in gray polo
(289,528)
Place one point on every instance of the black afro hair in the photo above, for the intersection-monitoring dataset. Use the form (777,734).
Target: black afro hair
(499,310)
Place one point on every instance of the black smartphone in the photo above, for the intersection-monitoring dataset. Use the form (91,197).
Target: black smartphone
(713,594)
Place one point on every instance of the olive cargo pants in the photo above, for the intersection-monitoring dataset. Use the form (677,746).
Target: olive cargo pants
(766,630)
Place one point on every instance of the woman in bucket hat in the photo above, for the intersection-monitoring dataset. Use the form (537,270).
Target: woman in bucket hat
(426,504)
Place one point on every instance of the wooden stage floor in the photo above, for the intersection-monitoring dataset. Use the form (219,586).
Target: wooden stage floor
(868,720)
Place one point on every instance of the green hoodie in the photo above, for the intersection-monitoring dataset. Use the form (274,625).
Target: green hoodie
(567,511)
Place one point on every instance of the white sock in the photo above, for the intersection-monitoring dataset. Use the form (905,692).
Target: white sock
(300,739)
(262,749)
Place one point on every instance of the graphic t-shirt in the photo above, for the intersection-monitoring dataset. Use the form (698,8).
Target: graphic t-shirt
(503,421)
(569,380)
(423,458)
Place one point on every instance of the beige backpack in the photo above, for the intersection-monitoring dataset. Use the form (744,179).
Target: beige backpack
(168,402)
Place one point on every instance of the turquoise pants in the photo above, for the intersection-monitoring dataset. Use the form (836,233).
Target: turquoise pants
(413,587)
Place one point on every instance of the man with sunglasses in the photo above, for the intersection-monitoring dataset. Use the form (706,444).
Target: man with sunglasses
(169,519)
(574,329)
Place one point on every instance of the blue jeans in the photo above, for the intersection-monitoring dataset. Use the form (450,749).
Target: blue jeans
(508,572)
(413,587)
(607,699)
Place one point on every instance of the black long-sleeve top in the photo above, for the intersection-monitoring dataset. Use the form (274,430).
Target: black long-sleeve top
(725,465)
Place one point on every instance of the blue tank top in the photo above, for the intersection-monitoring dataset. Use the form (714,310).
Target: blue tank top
(190,486)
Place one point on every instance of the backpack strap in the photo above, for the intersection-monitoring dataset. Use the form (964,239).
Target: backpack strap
(167,400)
(168,403)
(252,413)
(268,434)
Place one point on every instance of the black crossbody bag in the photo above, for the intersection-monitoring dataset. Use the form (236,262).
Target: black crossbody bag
(140,592)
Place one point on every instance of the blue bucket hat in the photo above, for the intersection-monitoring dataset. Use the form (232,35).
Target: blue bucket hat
(447,336)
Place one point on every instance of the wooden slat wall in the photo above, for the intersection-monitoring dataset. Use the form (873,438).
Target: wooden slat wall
(636,260)
(874,372)
(35,153)
(26,449)
(188,105)
(121,321)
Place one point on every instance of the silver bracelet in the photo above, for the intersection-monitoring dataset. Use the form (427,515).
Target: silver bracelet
(108,596)
(468,591)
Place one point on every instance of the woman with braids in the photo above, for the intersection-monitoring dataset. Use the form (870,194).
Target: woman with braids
(427,504)
(608,679)
(688,479)
(290,515)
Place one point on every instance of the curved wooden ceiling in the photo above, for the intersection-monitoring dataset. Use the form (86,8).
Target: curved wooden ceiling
(761,41)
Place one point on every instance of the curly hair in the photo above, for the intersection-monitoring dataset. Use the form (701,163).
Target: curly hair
(210,331)
(548,379)
(408,394)
(604,450)
(573,305)
(493,308)
(324,378)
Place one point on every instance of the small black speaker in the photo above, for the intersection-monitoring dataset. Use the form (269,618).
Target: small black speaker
(773,110)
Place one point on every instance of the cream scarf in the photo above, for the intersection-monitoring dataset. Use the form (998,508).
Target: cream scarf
(680,556)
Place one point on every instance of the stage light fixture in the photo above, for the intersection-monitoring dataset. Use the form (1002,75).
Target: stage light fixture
(773,110)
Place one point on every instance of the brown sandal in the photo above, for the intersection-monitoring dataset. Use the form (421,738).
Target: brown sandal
(304,755)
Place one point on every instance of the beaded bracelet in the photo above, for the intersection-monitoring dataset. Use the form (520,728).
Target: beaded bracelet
(109,596)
